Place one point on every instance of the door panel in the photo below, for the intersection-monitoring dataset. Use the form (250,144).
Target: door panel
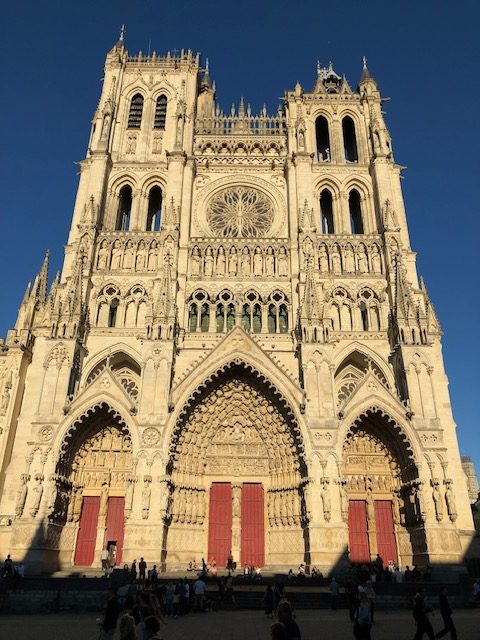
(252,549)
(386,541)
(220,522)
(87,532)
(359,550)
(115,525)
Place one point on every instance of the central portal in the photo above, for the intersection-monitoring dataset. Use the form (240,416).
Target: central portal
(237,472)
(240,532)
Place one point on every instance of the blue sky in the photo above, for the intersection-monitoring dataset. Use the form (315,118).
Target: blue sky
(423,54)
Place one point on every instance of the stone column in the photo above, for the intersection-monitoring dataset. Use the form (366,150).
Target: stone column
(236,521)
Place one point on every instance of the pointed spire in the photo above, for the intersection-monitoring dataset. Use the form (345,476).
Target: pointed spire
(430,313)
(241,108)
(311,309)
(122,33)
(164,304)
(366,75)
(404,305)
(41,292)
(171,217)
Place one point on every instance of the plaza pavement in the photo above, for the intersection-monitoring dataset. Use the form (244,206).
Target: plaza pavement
(236,625)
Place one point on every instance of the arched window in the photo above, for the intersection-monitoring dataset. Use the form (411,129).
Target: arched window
(112,312)
(160,112)
(154,209)
(326,208)
(364,316)
(252,313)
(277,319)
(225,312)
(349,140)
(124,209)
(323,139)
(356,221)
(135,113)
(199,312)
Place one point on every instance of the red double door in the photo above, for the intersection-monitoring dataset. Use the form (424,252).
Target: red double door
(87,532)
(359,543)
(252,539)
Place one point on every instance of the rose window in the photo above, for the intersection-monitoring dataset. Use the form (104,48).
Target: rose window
(240,212)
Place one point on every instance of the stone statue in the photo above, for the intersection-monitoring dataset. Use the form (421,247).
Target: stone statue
(131,144)
(437,500)
(221,262)
(282,262)
(301,140)
(195,262)
(146,493)
(343,500)
(336,260)
(258,262)
(270,262)
(233,262)
(22,495)
(102,255)
(116,255)
(157,144)
(152,256)
(323,259)
(128,255)
(376,260)
(325,496)
(236,498)
(370,507)
(52,498)
(450,500)
(362,259)
(209,262)
(140,258)
(37,493)
(349,260)
(129,497)
(246,264)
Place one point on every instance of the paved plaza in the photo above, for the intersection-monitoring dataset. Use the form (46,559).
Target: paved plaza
(237,625)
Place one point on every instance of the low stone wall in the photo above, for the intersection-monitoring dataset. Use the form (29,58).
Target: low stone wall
(20,601)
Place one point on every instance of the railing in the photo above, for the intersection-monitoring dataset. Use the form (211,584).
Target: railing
(241,125)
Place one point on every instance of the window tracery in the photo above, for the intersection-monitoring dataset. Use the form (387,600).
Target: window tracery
(240,212)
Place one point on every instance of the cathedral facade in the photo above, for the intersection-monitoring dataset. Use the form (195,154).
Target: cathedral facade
(238,355)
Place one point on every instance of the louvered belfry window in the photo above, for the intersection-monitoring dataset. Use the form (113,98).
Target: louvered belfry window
(135,113)
(160,112)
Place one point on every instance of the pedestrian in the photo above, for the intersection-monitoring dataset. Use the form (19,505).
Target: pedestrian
(334,593)
(285,616)
(278,631)
(142,568)
(363,621)
(420,614)
(446,612)
(352,598)
(7,567)
(112,611)
(133,572)
(170,591)
(127,627)
(154,576)
(371,595)
(152,628)
(184,596)
(269,601)
(199,591)
(229,588)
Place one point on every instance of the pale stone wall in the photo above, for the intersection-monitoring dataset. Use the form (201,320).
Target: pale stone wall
(334,327)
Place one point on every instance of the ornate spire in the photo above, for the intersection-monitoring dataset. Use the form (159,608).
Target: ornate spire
(171,216)
(311,310)
(42,282)
(366,75)
(404,303)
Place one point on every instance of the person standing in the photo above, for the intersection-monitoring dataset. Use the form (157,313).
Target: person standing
(199,591)
(363,621)
(285,616)
(105,563)
(420,614)
(371,595)
(269,601)
(446,613)
(112,611)
(334,593)
(142,568)
(133,572)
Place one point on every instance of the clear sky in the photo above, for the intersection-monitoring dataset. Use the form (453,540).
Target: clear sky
(424,55)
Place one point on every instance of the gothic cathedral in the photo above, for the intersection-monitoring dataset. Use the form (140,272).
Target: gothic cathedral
(238,356)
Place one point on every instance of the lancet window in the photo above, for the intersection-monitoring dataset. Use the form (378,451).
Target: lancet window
(326,211)
(349,140)
(135,113)
(225,312)
(323,139)
(252,313)
(154,209)
(160,112)
(124,209)
(199,312)
(354,205)
(277,318)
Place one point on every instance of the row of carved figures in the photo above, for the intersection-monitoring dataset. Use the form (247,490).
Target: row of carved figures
(285,508)
(188,505)
(344,258)
(129,255)
(239,261)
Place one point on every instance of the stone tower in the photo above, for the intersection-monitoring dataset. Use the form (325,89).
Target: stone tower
(238,356)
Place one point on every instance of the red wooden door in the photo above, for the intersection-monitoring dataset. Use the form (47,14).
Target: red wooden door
(114,529)
(87,532)
(220,523)
(386,542)
(359,550)
(252,545)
